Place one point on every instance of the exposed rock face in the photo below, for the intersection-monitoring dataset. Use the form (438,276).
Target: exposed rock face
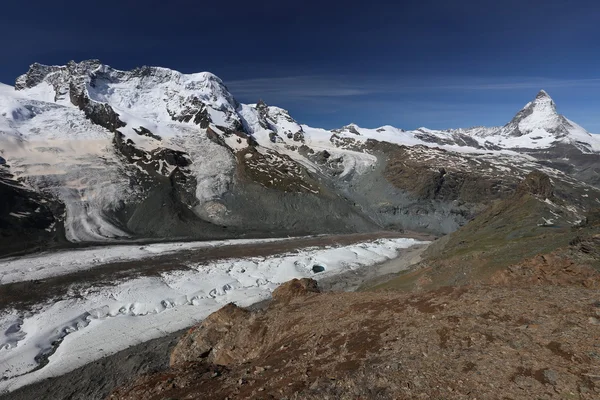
(207,342)
(194,111)
(538,184)
(295,288)
(27,218)
(447,178)
(263,114)
(98,113)
(60,77)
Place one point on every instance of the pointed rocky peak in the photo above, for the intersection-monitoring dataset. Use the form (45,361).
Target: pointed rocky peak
(34,76)
(543,94)
(84,67)
(542,100)
(261,104)
(539,114)
(542,104)
(262,108)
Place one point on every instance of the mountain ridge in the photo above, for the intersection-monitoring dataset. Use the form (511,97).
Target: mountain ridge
(39,72)
(152,152)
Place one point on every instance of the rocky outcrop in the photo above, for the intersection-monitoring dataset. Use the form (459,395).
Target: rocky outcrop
(28,219)
(294,289)
(208,341)
(220,338)
(451,343)
(538,184)
(99,113)
(279,122)
(195,110)
(435,174)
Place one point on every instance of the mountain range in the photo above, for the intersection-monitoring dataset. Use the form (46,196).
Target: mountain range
(89,153)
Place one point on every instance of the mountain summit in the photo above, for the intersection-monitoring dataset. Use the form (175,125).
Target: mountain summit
(536,126)
(106,154)
(540,114)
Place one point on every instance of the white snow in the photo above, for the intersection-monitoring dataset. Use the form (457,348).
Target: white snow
(45,265)
(578,134)
(543,115)
(51,146)
(100,321)
(62,152)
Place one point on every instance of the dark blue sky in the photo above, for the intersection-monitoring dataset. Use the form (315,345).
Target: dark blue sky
(429,63)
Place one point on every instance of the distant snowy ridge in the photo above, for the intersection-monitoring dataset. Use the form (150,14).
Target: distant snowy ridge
(153,151)
(151,96)
(537,126)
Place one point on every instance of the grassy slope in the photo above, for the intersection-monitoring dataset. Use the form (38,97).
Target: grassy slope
(504,234)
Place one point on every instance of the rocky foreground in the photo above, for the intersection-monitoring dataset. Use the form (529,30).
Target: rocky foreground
(504,308)
(502,340)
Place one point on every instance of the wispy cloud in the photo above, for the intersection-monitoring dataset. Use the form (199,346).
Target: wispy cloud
(532,83)
(301,86)
(410,102)
(330,86)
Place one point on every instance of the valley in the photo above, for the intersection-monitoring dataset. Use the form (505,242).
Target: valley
(136,204)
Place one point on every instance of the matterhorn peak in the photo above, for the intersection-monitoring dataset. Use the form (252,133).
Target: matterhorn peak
(544,99)
(538,114)
(542,94)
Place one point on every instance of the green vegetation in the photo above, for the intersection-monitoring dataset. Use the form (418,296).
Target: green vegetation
(506,233)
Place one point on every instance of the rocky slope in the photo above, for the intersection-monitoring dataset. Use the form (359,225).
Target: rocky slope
(482,341)
(27,217)
(505,307)
(538,218)
(153,153)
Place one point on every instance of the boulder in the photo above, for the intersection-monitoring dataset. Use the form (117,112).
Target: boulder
(295,288)
(204,342)
(538,184)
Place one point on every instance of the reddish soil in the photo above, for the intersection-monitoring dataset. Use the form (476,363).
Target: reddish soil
(498,341)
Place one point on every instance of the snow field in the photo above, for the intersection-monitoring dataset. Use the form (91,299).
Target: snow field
(95,322)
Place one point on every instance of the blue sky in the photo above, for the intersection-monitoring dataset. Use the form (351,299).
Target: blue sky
(439,64)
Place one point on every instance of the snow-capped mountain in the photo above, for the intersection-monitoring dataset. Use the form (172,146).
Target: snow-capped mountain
(156,153)
(537,126)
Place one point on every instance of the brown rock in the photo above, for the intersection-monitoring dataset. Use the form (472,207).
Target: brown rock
(386,345)
(203,341)
(537,183)
(295,288)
